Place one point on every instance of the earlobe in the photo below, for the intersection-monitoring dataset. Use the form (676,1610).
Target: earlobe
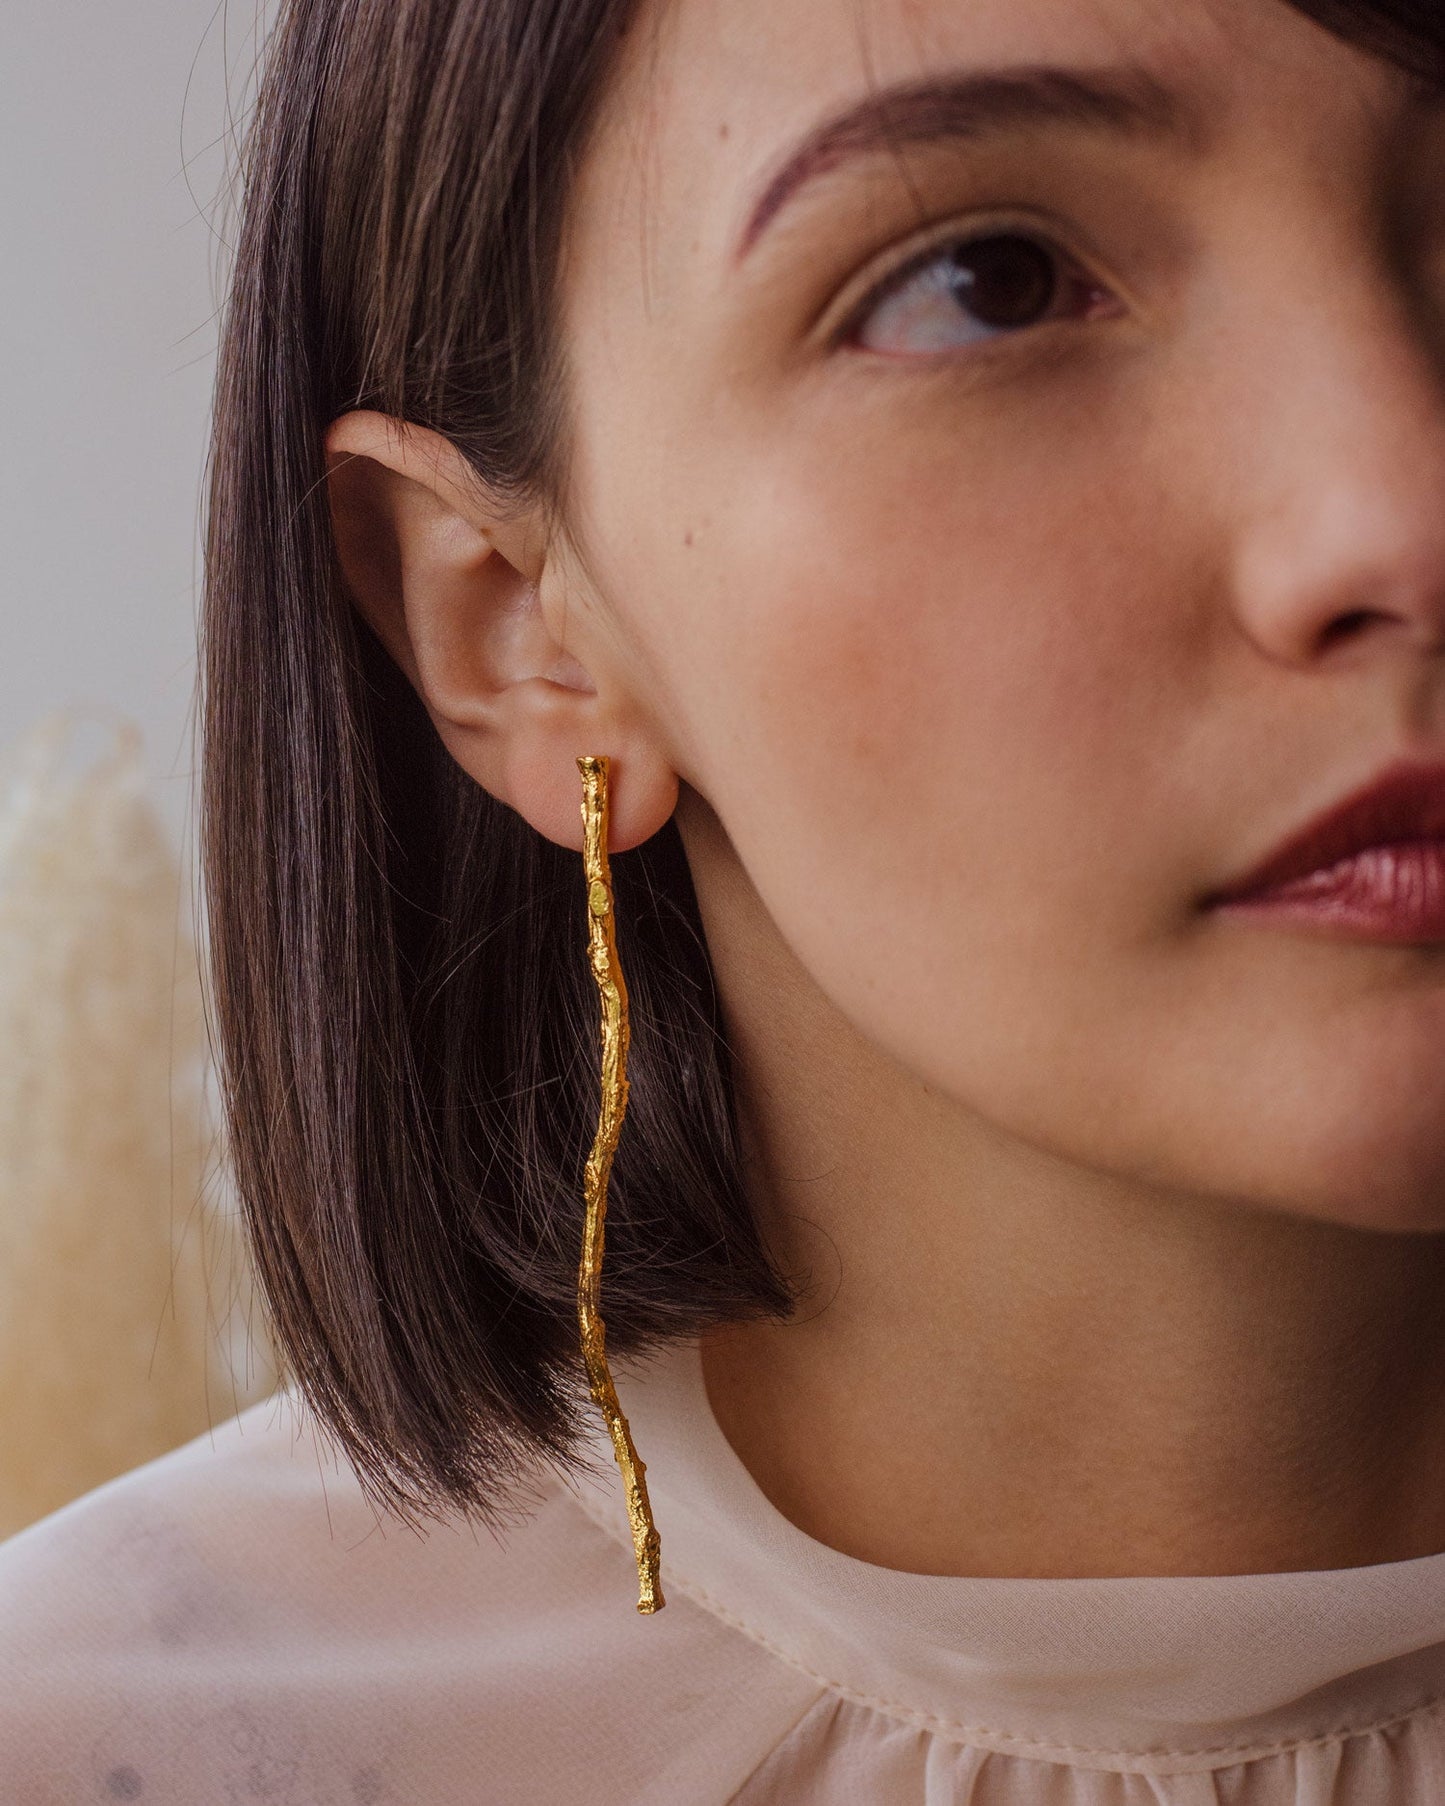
(451,583)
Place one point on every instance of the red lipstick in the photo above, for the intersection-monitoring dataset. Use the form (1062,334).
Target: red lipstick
(1372,867)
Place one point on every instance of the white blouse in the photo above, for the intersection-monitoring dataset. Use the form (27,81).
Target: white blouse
(232,1623)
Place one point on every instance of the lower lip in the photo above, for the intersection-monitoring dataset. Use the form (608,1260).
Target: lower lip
(1393,893)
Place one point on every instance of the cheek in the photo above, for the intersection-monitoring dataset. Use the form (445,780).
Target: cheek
(961,718)
(921,703)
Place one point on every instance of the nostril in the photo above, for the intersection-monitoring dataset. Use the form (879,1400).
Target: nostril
(1348,626)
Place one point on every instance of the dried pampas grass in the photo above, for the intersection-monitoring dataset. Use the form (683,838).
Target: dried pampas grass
(127,1320)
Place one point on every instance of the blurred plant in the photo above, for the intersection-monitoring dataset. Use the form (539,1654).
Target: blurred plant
(125,1296)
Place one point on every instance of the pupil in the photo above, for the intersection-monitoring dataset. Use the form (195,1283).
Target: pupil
(1006,280)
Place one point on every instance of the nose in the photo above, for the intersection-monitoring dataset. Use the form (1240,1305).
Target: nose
(1339,441)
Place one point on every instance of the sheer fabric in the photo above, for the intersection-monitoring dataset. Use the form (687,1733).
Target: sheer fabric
(233,1623)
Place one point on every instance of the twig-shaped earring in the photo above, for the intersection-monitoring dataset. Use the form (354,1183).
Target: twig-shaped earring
(602,953)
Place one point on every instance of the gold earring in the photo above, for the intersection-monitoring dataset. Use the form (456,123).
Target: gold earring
(602,954)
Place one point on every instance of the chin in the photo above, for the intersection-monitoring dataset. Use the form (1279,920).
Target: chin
(1356,1133)
(1391,1216)
(1383,1186)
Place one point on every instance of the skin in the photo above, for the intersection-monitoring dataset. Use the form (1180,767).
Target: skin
(969,670)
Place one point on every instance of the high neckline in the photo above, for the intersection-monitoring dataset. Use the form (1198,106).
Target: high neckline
(1084,1670)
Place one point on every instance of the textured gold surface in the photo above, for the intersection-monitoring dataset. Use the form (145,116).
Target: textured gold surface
(602,953)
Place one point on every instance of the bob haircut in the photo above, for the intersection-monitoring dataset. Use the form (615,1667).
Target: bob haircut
(405,1022)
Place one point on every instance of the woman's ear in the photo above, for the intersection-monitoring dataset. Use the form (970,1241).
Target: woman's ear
(453,583)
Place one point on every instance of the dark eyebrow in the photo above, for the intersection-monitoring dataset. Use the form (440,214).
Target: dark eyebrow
(1124,100)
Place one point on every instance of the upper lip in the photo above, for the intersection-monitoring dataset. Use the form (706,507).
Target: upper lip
(1405,802)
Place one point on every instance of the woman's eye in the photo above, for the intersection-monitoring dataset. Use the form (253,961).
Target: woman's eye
(971,289)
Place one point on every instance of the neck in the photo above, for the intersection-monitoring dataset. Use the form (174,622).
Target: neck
(1006,1365)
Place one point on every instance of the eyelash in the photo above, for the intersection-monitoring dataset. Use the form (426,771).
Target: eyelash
(1069,275)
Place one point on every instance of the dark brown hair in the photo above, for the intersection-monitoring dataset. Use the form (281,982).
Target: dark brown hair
(405,1021)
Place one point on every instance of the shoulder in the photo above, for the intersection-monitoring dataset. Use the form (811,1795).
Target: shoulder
(234,1621)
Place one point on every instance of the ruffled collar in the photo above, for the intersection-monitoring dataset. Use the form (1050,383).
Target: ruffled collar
(1080,1670)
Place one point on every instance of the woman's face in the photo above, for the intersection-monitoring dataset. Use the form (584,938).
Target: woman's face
(1004,603)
